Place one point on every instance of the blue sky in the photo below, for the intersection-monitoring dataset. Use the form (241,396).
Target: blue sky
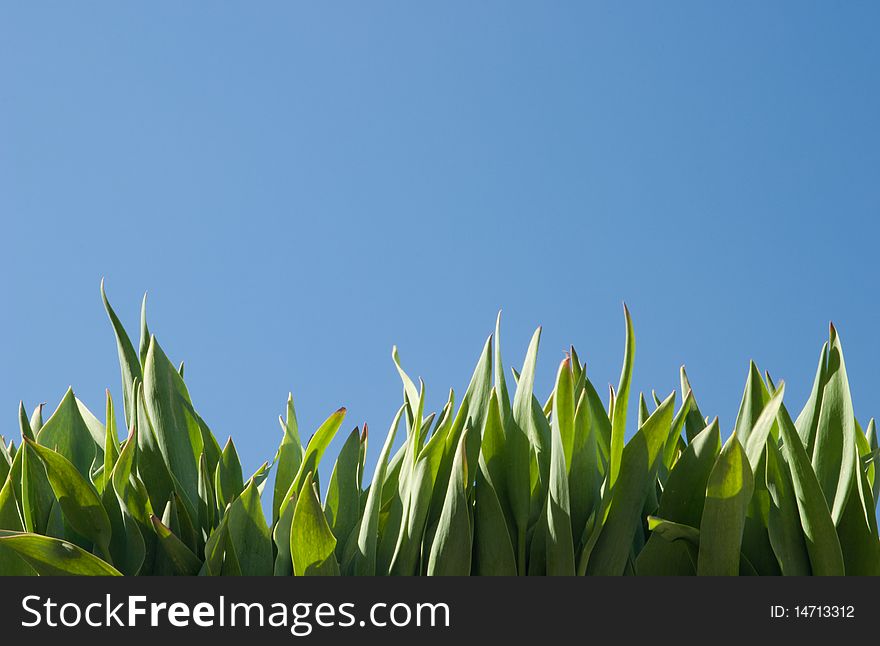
(301,185)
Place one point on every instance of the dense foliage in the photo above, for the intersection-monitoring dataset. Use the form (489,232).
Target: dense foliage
(492,485)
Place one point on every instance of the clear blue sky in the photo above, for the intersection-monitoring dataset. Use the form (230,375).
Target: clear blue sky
(301,185)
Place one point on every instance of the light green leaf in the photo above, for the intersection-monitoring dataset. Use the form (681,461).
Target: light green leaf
(560,550)
(228,480)
(760,431)
(342,505)
(312,544)
(79,501)
(493,549)
(177,433)
(150,464)
(728,493)
(31,484)
(585,478)
(823,545)
(874,477)
(418,490)
(11,564)
(288,459)
(128,359)
(37,418)
(451,550)
(364,559)
(784,523)
(249,534)
(671,531)
(622,512)
(315,451)
(621,401)
(522,438)
(67,434)
(54,557)
(755,396)
(111,442)
(834,456)
(807,422)
(682,502)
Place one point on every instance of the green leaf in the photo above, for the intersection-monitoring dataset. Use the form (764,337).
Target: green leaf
(560,550)
(24,424)
(133,498)
(216,548)
(111,442)
(364,559)
(679,423)
(493,549)
(671,531)
(495,463)
(823,545)
(228,481)
(682,502)
(522,437)
(622,512)
(807,423)
(685,493)
(662,558)
(10,516)
(585,478)
(621,401)
(127,547)
(728,493)
(5,460)
(754,397)
(599,421)
(283,565)
(66,433)
(128,359)
(834,456)
(10,519)
(410,391)
(500,387)
(249,534)
(37,418)
(451,551)
(151,465)
(858,531)
(177,434)
(644,413)
(315,450)
(208,509)
(184,561)
(756,441)
(288,459)
(144,343)
(474,405)
(874,477)
(694,421)
(54,557)
(79,501)
(312,544)
(419,489)
(31,485)
(784,523)
(343,505)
